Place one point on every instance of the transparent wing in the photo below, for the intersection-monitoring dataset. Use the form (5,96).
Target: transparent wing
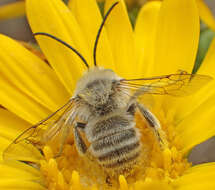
(27,146)
(182,84)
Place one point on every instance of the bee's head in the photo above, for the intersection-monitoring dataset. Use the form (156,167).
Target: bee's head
(97,88)
(96,81)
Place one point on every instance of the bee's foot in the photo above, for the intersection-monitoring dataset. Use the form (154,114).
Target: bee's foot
(108,181)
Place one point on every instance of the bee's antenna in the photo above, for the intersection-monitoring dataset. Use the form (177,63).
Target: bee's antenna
(100,30)
(65,44)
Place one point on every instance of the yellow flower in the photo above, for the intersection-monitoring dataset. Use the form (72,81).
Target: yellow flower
(165,40)
(12,10)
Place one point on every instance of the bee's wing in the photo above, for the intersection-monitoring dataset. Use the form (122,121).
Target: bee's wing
(181,84)
(27,145)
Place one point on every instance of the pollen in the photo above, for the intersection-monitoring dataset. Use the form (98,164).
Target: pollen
(157,168)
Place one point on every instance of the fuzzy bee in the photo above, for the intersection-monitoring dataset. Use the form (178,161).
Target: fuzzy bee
(103,109)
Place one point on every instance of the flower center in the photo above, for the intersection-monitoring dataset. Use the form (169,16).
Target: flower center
(72,171)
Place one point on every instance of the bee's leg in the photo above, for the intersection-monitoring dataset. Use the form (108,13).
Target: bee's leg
(79,142)
(65,134)
(132,109)
(154,124)
(80,126)
(108,180)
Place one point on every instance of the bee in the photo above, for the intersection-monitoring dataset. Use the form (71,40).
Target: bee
(103,109)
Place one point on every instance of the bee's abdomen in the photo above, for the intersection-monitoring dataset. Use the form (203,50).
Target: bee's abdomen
(117,150)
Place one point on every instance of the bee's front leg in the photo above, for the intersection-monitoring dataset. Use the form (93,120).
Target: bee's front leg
(154,124)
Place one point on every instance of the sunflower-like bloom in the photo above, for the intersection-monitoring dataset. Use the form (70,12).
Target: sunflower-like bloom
(165,40)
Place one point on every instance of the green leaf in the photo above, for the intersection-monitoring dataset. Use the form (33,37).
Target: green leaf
(206,36)
(132,13)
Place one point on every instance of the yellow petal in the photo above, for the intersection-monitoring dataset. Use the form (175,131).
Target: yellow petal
(197,126)
(198,177)
(145,30)
(89,19)
(55,18)
(207,68)
(152,185)
(177,36)
(30,74)
(190,103)
(10,127)
(20,103)
(9,184)
(186,105)
(18,170)
(205,14)
(121,37)
(12,10)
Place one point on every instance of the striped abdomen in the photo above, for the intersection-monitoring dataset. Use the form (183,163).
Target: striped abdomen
(116,143)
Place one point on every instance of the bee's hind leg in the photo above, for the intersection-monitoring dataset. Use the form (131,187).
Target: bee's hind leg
(81,146)
(154,124)
(79,142)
